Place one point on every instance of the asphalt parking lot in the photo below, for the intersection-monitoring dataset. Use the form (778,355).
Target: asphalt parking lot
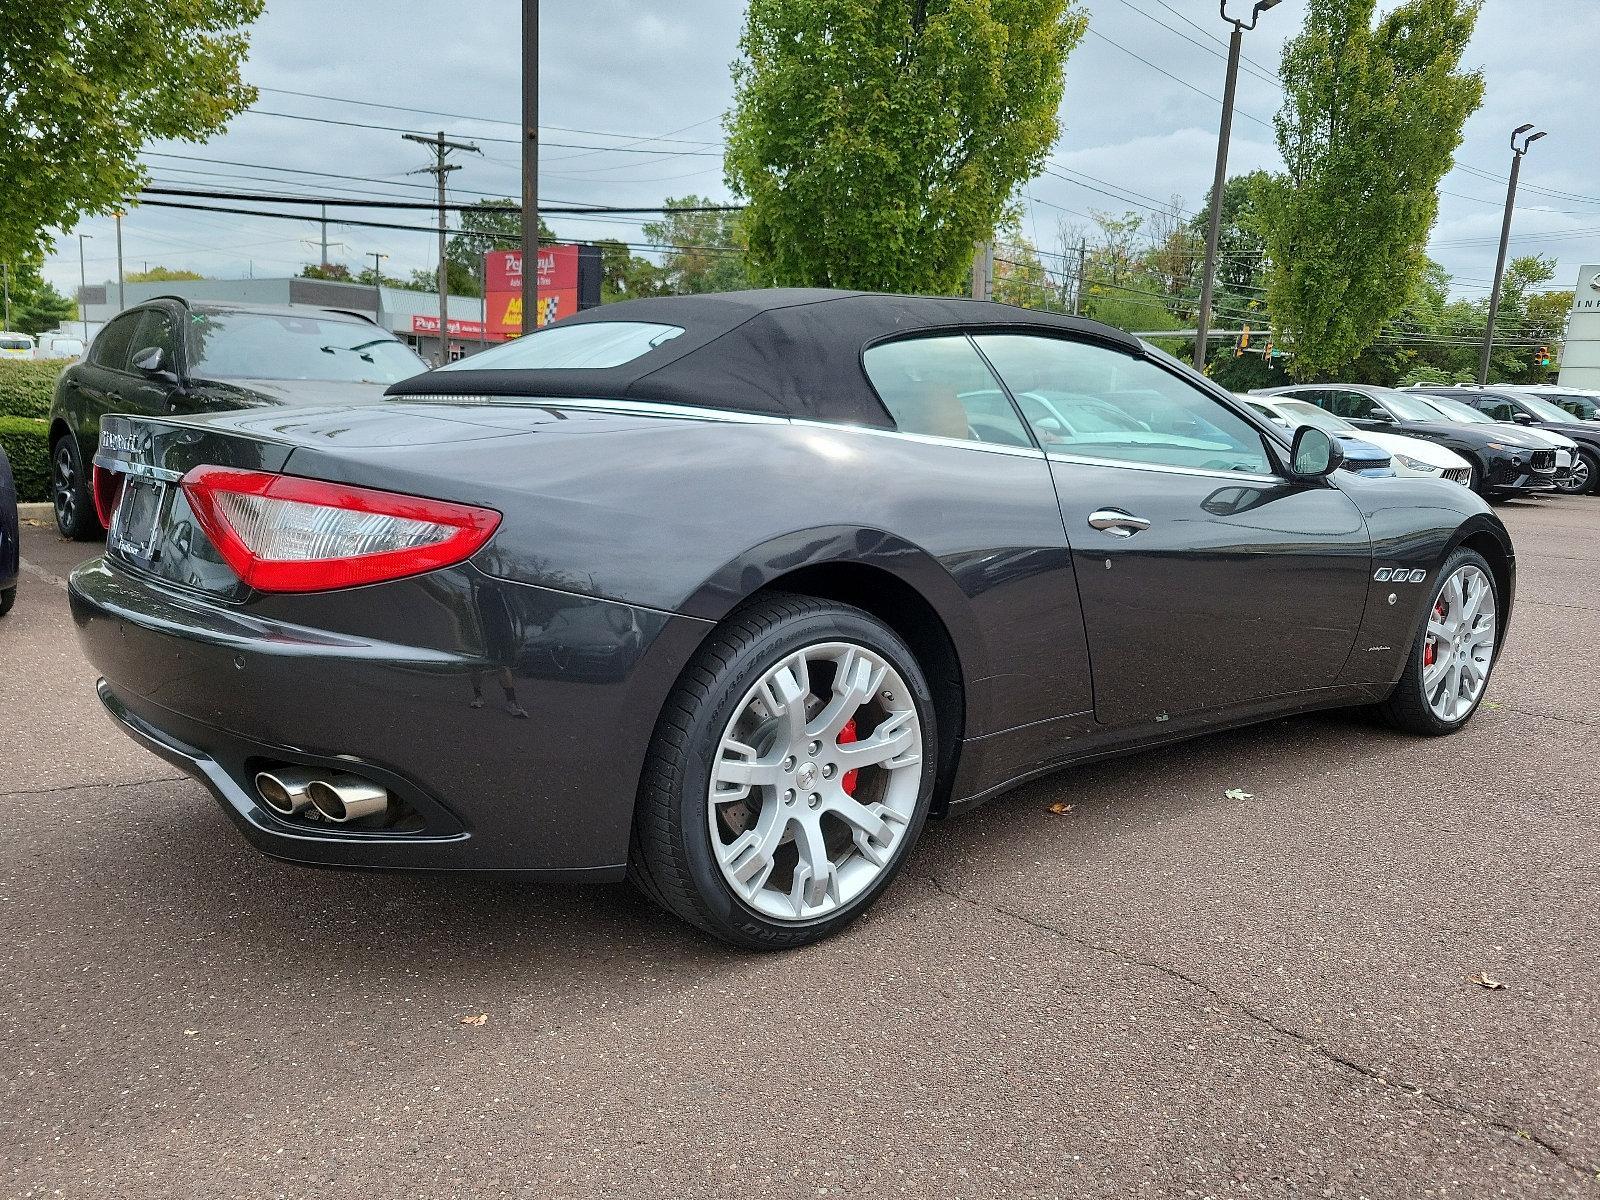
(1163,991)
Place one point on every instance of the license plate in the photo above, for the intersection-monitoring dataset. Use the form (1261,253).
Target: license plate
(137,521)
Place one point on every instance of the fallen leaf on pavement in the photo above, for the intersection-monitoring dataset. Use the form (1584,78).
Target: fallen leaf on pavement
(1483,980)
(477,1020)
(1062,810)
(190,1032)
(1238,794)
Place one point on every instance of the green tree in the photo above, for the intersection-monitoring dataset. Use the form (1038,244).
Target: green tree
(1020,277)
(161,275)
(626,275)
(35,306)
(1370,122)
(877,140)
(85,83)
(701,251)
(336,272)
(483,229)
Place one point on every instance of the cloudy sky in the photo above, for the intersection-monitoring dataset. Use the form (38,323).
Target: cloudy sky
(633,91)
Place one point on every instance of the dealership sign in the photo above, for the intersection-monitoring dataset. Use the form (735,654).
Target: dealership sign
(558,287)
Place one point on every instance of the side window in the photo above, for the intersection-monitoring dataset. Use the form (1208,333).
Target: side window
(114,344)
(1093,402)
(940,387)
(1498,410)
(157,330)
(1352,406)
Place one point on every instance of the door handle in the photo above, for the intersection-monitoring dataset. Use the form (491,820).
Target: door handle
(1117,523)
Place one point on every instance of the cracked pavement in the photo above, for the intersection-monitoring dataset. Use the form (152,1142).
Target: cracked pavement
(1161,992)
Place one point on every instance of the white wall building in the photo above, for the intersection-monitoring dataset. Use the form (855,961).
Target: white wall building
(1580,354)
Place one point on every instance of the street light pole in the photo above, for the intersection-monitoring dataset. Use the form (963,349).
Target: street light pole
(530,165)
(122,302)
(1505,237)
(377,285)
(83,286)
(1220,179)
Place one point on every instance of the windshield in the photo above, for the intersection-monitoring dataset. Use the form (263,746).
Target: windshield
(1410,408)
(1543,409)
(15,341)
(589,346)
(247,345)
(1576,403)
(1464,414)
(1302,412)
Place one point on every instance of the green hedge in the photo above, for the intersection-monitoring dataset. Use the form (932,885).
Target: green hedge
(27,444)
(25,386)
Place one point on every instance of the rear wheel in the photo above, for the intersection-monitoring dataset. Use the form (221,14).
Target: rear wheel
(1453,654)
(69,489)
(790,774)
(8,597)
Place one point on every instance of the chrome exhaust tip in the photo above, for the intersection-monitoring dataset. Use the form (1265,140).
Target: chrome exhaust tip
(342,798)
(284,791)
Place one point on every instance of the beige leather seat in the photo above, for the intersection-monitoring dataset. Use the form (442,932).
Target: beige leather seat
(938,413)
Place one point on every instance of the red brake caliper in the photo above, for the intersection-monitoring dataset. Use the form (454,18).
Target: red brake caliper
(1431,647)
(847,735)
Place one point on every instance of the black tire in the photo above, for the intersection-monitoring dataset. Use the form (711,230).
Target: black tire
(69,492)
(8,597)
(1407,707)
(672,860)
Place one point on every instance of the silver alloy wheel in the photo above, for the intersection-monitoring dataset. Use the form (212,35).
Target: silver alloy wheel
(1459,649)
(802,822)
(66,486)
(1580,481)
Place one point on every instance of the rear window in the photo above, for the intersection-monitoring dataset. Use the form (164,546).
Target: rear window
(589,346)
(253,345)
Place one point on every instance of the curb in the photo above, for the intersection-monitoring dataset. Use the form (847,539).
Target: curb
(43,511)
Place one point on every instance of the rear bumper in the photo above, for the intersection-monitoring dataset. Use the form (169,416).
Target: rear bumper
(520,748)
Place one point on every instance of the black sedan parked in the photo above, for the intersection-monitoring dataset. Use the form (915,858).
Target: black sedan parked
(10,535)
(1525,408)
(1503,463)
(171,355)
(728,593)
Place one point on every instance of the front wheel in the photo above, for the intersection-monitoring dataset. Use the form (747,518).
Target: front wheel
(8,597)
(790,773)
(1453,654)
(69,488)
(1585,474)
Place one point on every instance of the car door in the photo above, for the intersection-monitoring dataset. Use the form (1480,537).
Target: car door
(145,389)
(1208,580)
(92,387)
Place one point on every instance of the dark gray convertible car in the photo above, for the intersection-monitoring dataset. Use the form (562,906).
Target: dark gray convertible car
(727,594)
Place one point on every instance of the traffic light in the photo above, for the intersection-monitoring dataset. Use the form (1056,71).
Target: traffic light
(1543,357)
(1243,343)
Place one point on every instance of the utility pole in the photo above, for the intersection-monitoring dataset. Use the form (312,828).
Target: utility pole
(483,296)
(83,286)
(122,301)
(1220,179)
(1083,265)
(5,286)
(324,259)
(1505,236)
(983,270)
(530,167)
(441,171)
(377,283)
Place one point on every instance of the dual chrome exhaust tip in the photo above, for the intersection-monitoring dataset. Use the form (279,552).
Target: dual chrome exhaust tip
(338,798)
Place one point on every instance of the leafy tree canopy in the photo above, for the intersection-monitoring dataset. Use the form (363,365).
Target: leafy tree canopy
(35,306)
(85,83)
(700,251)
(877,140)
(161,275)
(1371,120)
(483,230)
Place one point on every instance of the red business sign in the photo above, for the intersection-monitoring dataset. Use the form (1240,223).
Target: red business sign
(558,288)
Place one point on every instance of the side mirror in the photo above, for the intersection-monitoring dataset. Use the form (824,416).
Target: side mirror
(1377,414)
(148,360)
(1315,454)
(1522,418)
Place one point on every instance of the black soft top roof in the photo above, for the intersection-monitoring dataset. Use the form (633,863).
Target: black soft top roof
(783,351)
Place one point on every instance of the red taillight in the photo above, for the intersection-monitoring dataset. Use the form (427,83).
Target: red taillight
(107,491)
(280,533)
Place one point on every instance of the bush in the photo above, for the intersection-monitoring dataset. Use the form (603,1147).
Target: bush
(26,441)
(25,386)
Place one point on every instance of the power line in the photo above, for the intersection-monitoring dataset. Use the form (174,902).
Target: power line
(1217,100)
(262,112)
(498,209)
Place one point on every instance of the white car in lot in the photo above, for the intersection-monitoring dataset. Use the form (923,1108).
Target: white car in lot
(1412,457)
